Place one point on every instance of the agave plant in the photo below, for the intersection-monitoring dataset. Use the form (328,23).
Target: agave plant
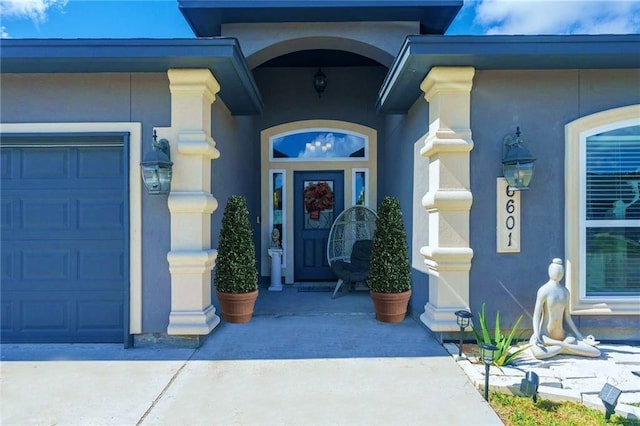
(504,355)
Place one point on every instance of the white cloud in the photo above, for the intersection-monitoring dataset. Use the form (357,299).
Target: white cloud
(557,16)
(4,33)
(36,10)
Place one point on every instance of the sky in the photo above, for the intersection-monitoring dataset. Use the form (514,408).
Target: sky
(162,19)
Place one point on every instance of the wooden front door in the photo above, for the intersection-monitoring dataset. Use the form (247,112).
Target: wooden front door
(318,199)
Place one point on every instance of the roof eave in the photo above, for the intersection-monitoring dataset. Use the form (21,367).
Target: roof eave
(205,17)
(222,56)
(419,54)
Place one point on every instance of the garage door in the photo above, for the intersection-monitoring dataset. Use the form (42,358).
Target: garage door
(64,238)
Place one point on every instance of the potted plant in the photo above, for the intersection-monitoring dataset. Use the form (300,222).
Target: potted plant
(236,274)
(390,273)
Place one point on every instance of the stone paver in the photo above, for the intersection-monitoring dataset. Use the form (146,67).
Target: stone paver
(567,378)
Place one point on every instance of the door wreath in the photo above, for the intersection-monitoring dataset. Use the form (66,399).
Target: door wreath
(317,197)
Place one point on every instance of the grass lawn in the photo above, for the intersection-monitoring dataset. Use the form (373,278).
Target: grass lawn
(519,411)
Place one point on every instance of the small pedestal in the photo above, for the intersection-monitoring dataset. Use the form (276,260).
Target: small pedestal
(276,269)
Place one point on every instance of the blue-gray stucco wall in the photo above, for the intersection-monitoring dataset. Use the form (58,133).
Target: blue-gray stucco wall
(395,179)
(235,172)
(541,103)
(121,97)
(145,98)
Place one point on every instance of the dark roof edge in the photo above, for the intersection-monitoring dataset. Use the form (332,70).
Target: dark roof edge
(205,17)
(221,55)
(419,53)
(245,75)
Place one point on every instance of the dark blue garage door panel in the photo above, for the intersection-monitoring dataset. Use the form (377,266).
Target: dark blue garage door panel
(63,244)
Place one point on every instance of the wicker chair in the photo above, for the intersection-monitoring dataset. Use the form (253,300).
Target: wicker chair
(349,245)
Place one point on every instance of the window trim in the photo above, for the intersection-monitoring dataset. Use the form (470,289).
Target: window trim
(576,134)
(283,237)
(354,195)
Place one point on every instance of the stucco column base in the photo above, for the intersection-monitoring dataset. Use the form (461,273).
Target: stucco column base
(191,285)
(448,286)
(439,319)
(188,323)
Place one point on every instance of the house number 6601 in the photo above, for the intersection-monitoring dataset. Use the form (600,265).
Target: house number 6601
(508,218)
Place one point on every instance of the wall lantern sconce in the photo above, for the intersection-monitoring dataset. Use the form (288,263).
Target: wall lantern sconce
(319,82)
(487,353)
(609,396)
(529,385)
(517,162)
(156,167)
(463,318)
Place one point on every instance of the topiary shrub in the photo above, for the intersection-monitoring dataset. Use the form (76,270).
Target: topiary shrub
(236,270)
(390,271)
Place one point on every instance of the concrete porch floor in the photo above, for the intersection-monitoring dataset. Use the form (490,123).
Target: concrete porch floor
(294,324)
(314,299)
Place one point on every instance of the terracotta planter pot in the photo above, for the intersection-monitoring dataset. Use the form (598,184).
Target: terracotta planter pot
(237,307)
(390,307)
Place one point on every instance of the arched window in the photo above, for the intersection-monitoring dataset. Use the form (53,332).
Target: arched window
(602,211)
(319,144)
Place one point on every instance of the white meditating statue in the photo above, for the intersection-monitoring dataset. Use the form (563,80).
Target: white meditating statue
(550,315)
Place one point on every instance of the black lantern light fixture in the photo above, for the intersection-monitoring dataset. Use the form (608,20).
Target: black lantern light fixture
(464,319)
(156,167)
(319,82)
(529,385)
(609,396)
(517,162)
(487,353)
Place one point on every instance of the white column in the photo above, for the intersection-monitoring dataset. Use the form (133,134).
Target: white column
(276,269)
(191,204)
(448,200)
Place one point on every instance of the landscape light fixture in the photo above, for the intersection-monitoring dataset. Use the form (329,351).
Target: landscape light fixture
(463,318)
(609,396)
(319,82)
(156,167)
(487,353)
(517,162)
(529,385)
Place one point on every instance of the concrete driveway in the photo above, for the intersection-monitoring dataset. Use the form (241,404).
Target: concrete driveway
(323,369)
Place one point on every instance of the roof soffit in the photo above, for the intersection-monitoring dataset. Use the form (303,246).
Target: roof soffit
(419,54)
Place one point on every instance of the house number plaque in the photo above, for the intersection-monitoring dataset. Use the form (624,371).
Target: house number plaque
(508,218)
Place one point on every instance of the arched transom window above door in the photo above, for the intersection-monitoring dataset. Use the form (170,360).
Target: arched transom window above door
(319,144)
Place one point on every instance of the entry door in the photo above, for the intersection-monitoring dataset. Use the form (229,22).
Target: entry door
(318,199)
